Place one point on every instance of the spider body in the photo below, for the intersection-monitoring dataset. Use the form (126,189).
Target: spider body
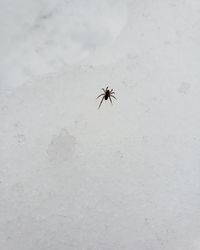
(107,94)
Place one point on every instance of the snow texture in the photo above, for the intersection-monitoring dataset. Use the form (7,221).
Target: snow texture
(126,176)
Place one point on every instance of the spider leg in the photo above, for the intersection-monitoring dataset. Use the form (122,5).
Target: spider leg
(110,99)
(104,90)
(113,96)
(101,102)
(111,91)
(99,96)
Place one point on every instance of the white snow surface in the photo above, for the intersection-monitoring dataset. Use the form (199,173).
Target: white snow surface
(126,176)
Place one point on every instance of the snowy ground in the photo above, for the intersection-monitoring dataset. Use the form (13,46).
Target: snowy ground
(125,177)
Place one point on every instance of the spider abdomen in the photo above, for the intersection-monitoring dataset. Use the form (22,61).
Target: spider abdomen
(107,94)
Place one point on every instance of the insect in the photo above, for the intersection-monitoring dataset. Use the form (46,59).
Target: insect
(107,94)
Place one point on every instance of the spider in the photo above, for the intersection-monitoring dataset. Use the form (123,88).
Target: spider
(107,94)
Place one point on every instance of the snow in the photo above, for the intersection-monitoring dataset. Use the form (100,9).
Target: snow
(125,176)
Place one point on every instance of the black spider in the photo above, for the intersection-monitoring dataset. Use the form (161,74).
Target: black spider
(107,94)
